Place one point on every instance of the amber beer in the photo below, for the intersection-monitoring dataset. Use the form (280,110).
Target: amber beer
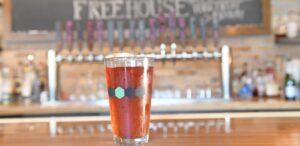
(129,83)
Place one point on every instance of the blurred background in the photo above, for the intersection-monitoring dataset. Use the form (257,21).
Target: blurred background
(220,66)
(263,58)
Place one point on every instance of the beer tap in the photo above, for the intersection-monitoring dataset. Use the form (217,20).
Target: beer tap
(132,33)
(100,38)
(172,35)
(59,39)
(111,36)
(162,31)
(216,36)
(142,35)
(182,34)
(59,36)
(90,39)
(79,40)
(153,34)
(70,37)
(120,24)
(193,36)
(202,23)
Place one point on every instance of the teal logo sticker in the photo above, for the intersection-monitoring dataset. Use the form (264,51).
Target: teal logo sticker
(119,92)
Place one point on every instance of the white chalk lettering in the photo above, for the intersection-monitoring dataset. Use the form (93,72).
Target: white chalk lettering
(77,5)
(179,7)
(93,10)
(116,7)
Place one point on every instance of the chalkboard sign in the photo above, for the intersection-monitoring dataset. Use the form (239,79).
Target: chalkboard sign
(236,16)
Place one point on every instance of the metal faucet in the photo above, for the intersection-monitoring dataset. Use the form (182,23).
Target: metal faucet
(163,52)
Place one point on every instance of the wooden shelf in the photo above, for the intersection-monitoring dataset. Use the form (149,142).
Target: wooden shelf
(288,41)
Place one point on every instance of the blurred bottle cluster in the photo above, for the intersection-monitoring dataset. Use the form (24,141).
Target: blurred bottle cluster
(258,81)
(23,84)
(265,81)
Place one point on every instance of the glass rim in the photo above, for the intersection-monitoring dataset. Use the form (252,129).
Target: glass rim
(123,56)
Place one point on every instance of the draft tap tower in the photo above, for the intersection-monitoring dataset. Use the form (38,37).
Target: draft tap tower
(158,32)
(224,57)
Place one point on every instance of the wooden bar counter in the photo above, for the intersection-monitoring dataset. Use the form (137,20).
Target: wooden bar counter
(228,129)
(158,106)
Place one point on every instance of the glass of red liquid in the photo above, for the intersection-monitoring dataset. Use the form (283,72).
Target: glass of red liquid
(129,82)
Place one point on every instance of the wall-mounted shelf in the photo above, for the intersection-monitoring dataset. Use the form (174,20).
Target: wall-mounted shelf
(287,41)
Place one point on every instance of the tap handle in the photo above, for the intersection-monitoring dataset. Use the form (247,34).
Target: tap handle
(80,32)
(152,26)
(202,23)
(141,30)
(90,34)
(69,31)
(58,35)
(216,31)
(99,31)
(172,26)
(193,28)
(162,25)
(79,36)
(142,33)
(132,29)
(110,27)
(182,26)
(120,26)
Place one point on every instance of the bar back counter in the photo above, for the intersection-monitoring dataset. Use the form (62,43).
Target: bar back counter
(230,129)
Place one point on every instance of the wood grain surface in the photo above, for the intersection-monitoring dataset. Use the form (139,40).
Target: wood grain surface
(242,132)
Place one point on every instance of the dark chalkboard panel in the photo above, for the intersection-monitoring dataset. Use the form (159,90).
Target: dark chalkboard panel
(237,16)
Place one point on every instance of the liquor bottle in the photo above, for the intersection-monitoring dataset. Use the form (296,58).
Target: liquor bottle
(37,87)
(28,80)
(246,89)
(19,75)
(7,86)
(272,87)
(290,87)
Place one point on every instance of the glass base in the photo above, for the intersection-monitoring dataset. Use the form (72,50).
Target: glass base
(131,142)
